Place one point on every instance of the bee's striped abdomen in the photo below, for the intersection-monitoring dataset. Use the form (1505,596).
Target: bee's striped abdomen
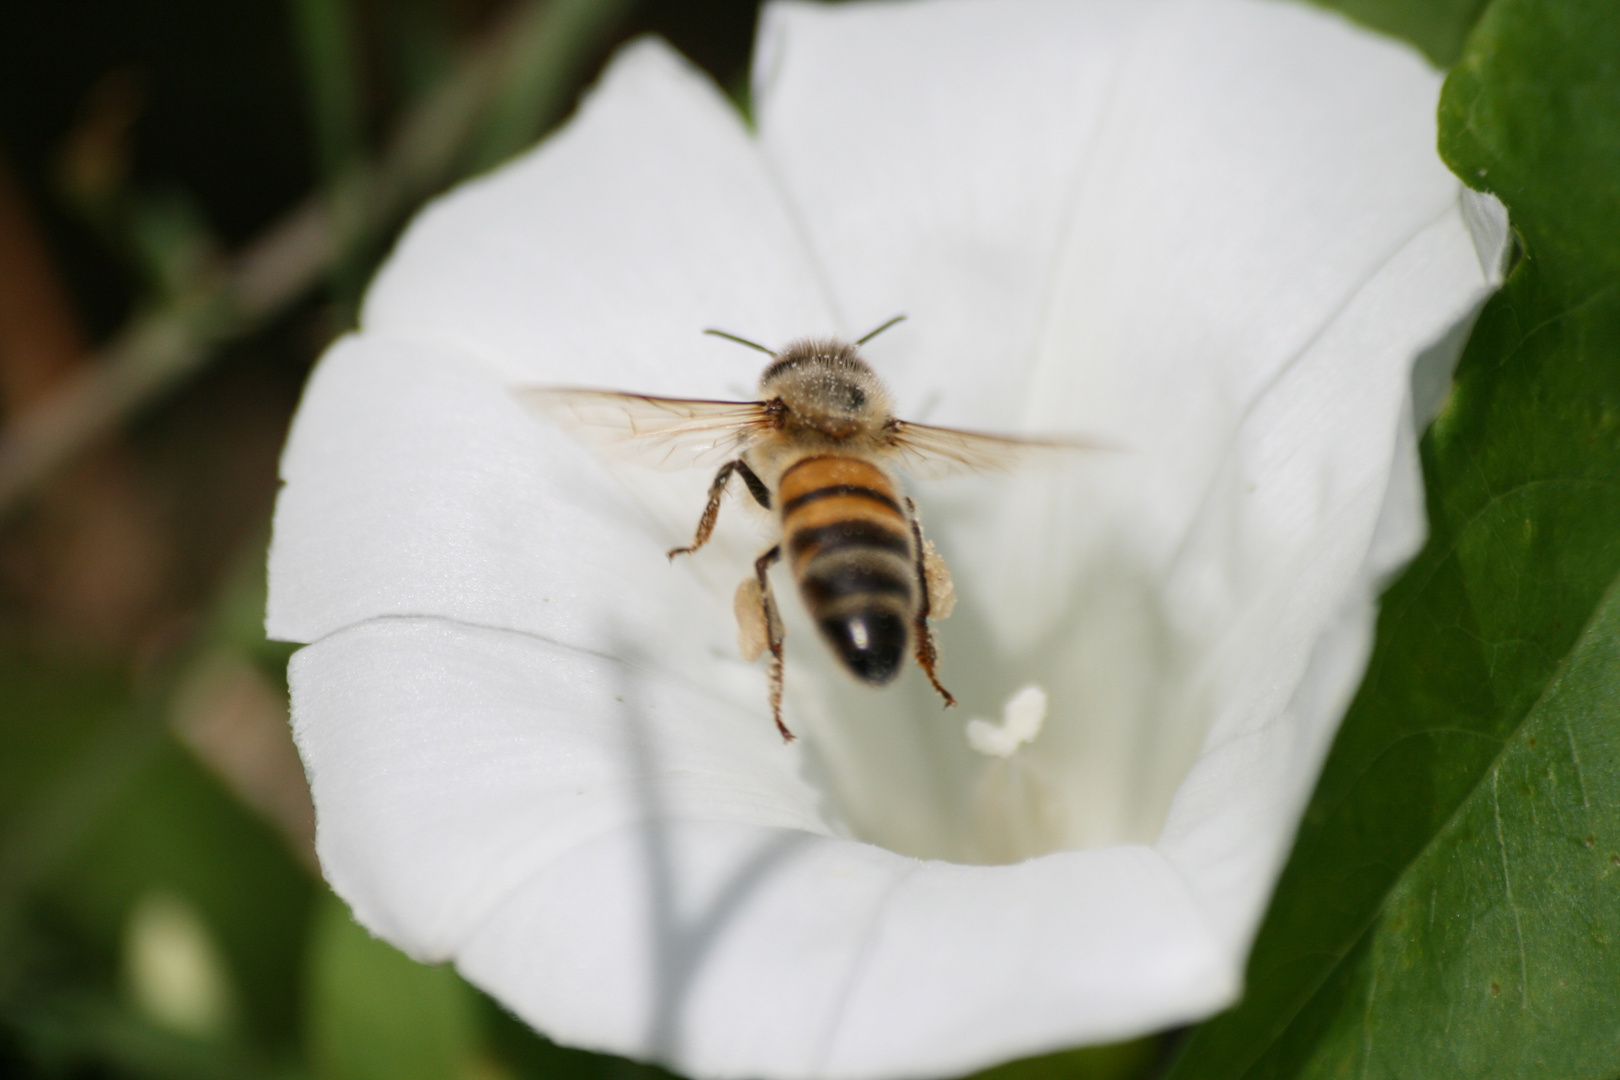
(850,547)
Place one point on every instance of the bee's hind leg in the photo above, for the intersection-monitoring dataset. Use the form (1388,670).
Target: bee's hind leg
(928,585)
(759,627)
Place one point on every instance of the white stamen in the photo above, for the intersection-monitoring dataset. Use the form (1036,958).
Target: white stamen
(1021,720)
(1016,814)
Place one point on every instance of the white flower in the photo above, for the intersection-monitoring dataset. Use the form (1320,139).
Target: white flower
(1215,232)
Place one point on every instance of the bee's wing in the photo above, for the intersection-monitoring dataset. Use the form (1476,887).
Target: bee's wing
(664,433)
(931,452)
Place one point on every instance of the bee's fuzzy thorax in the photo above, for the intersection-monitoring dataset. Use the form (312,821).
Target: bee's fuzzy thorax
(826,386)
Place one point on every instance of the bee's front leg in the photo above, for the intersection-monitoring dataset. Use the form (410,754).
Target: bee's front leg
(711,512)
(933,582)
(717,491)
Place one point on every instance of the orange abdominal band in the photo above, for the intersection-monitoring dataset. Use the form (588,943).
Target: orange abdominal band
(827,491)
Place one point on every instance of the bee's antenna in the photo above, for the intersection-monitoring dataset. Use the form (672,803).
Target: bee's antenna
(879,330)
(741,341)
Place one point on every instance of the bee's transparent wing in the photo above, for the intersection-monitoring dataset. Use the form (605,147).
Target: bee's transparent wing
(930,452)
(663,433)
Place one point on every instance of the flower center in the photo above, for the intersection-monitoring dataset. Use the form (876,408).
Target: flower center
(1016,815)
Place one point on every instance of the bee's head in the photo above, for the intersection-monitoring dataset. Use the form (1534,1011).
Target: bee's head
(824,384)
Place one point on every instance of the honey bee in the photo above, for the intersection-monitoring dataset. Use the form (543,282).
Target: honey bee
(819,450)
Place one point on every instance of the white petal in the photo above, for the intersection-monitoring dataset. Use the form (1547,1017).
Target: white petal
(601,259)
(1321,504)
(415,487)
(936,155)
(632,867)
(450,764)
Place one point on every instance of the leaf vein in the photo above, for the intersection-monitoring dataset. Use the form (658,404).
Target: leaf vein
(1575,758)
(1507,886)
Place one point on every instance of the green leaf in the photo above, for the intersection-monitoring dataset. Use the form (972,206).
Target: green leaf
(1503,933)
(522,1053)
(1438,27)
(376,1014)
(1452,900)
(1113,1061)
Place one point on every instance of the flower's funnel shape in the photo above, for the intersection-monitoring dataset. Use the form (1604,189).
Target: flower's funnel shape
(1215,233)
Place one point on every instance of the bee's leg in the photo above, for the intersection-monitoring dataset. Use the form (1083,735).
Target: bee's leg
(927,654)
(756,487)
(711,512)
(773,634)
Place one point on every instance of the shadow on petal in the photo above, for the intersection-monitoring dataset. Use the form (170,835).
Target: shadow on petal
(682,933)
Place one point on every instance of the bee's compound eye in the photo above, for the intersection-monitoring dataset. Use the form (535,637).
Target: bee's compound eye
(871,643)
